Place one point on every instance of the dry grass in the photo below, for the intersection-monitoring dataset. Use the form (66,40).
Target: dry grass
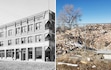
(17,65)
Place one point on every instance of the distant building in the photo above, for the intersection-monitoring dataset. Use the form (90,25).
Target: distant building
(29,39)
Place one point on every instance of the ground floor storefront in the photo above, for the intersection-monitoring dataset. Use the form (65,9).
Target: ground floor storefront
(28,54)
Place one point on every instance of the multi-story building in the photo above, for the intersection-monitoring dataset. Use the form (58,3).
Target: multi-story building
(29,39)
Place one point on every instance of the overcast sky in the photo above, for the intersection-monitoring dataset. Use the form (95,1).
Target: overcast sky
(12,10)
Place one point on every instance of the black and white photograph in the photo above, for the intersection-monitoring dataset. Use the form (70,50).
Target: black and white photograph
(27,34)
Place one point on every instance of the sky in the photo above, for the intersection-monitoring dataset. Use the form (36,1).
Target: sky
(93,11)
(12,10)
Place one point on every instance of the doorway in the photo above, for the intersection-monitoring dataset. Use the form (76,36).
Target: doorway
(47,54)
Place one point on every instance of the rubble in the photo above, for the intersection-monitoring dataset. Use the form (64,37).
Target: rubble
(96,36)
(78,46)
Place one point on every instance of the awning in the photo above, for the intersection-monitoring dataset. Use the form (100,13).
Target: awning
(48,21)
(48,49)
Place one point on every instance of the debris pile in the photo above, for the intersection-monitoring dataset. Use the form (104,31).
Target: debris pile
(96,36)
(78,46)
(82,60)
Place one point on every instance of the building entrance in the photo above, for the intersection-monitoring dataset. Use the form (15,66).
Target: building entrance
(47,54)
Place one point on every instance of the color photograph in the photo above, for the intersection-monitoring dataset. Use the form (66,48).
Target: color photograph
(83,35)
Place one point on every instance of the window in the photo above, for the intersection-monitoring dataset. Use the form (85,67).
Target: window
(8,53)
(18,30)
(12,51)
(30,39)
(1,34)
(38,38)
(53,26)
(17,41)
(2,53)
(38,52)
(1,43)
(23,53)
(23,40)
(9,42)
(53,16)
(30,27)
(17,53)
(24,29)
(30,53)
(10,32)
(37,26)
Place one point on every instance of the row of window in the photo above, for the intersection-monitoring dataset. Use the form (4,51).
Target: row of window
(30,28)
(24,29)
(10,53)
(38,38)
(30,39)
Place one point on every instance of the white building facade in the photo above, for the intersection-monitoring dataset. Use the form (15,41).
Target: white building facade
(29,39)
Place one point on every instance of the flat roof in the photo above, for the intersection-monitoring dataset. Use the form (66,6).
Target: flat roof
(25,18)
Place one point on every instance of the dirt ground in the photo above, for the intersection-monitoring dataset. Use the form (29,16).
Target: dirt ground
(83,64)
(17,65)
(85,61)
(85,67)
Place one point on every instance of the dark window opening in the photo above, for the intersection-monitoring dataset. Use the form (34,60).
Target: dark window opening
(30,53)
(17,53)
(38,52)
(23,40)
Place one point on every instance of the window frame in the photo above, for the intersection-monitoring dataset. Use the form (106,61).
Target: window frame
(30,39)
(38,38)
(10,32)
(9,42)
(1,43)
(30,53)
(17,41)
(24,29)
(38,56)
(18,30)
(23,40)
(37,25)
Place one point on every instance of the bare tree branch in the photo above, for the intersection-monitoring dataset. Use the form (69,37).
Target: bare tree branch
(69,16)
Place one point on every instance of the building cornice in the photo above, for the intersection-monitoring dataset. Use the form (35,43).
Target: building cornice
(25,19)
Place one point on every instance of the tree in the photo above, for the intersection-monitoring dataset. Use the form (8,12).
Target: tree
(69,16)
